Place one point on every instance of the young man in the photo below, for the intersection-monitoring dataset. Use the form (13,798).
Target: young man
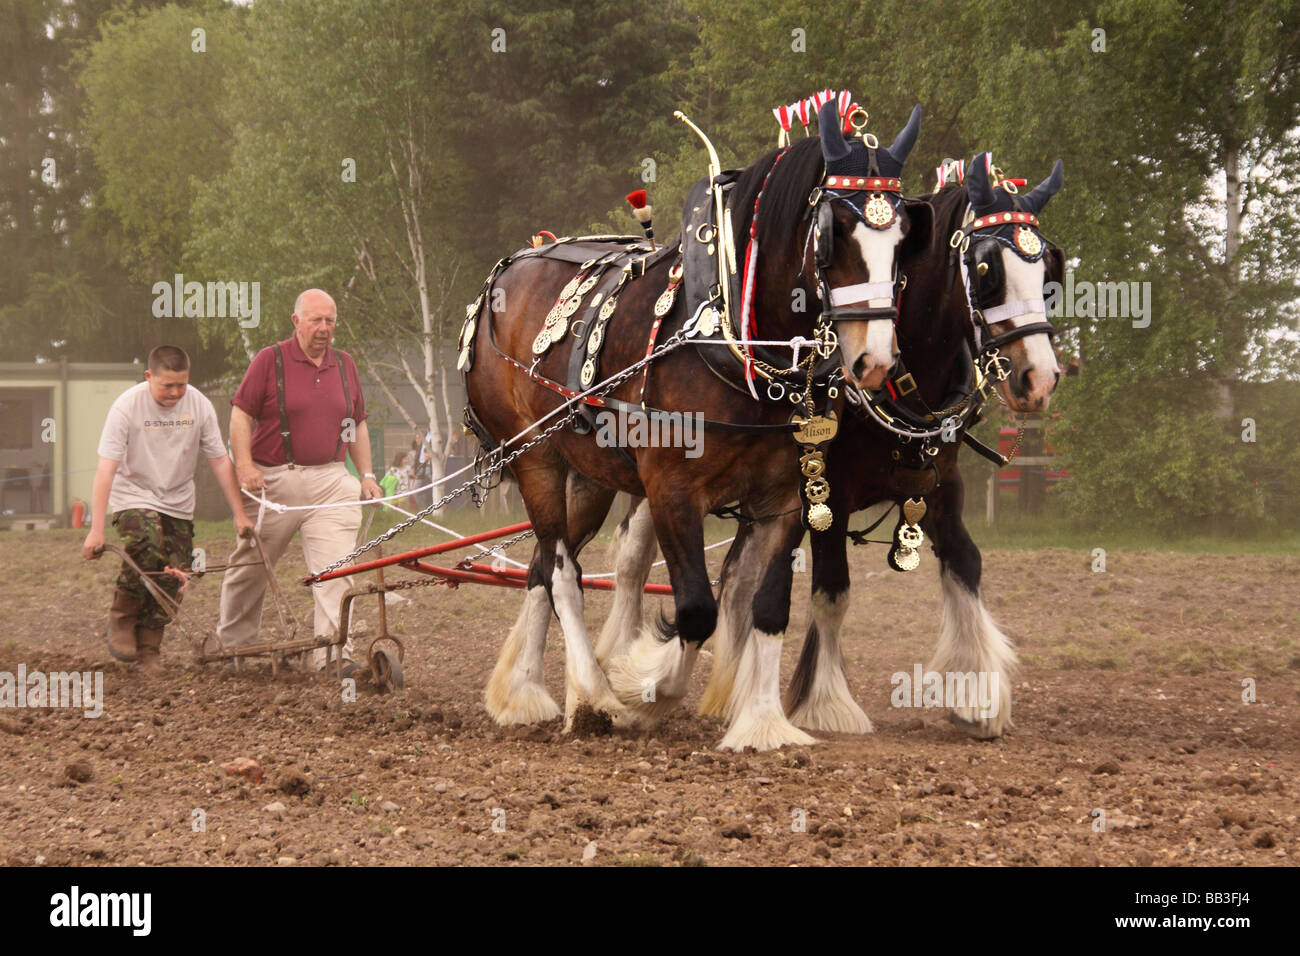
(147,455)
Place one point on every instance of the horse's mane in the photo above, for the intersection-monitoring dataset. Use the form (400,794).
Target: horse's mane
(949,205)
(785,200)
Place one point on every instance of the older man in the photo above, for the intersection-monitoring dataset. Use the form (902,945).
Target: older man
(298,411)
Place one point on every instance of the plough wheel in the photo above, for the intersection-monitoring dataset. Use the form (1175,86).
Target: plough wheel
(387,668)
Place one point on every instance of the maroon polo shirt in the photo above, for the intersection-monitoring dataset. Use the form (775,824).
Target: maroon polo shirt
(313,397)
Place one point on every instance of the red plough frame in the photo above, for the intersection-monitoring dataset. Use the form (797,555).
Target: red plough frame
(386,667)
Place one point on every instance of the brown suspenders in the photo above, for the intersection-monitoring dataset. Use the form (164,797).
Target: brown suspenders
(284,412)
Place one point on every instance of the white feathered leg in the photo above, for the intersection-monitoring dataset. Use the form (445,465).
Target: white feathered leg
(970,641)
(516,692)
(820,692)
(634,552)
(740,575)
(585,682)
(758,719)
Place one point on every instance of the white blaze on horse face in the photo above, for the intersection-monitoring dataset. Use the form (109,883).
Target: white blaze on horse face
(1024,281)
(869,348)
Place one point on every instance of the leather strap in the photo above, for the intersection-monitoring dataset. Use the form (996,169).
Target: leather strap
(285,441)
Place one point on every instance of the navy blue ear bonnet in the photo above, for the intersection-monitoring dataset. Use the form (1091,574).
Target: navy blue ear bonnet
(857,171)
(1008,216)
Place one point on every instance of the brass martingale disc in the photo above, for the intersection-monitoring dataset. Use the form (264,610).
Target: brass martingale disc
(607,309)
(595,338)
(910,536)
(542,342)
(907,559)
(588,284)
(467,333)
(588,372)
(819,517)
(571,288)
(570,307)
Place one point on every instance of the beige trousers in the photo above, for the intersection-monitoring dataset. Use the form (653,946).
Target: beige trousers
(327,535)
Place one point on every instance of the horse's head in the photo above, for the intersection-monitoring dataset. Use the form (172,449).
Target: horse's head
(859,226)
(1006,263)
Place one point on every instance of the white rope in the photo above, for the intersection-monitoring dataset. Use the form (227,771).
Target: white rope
(661,563)
(454,534)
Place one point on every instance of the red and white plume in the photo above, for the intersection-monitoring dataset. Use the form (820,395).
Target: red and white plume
(643,211)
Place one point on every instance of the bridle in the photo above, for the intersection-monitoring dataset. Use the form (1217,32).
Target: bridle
(974,241)
(879,211)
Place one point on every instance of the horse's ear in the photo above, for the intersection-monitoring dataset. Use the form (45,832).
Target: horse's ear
(834,146)
(920,229)
(1055,264)
(977,182)
(1036,199)
(901,148)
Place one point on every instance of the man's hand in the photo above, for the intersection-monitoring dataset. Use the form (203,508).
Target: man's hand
(243,526)
(90,547)
(250,478)
(370,488)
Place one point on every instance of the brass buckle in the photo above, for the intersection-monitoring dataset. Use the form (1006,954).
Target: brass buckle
(911,385)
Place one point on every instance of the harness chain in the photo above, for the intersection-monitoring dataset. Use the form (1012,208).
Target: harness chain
(676,340)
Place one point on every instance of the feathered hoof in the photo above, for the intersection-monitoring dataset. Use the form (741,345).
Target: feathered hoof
(526,704)
(832,716)
(652,677)
(968,721)
(769,730)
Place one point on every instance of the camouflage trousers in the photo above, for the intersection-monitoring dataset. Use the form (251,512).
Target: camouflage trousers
(153,540)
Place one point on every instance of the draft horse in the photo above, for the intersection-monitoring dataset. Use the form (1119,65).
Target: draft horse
(517,350)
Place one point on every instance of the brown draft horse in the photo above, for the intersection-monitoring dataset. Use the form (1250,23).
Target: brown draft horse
(946,325)
(568,481)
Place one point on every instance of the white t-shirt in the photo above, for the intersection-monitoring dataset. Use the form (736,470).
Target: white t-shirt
(158,449)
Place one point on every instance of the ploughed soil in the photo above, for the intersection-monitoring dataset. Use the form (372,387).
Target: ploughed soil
(1128,703)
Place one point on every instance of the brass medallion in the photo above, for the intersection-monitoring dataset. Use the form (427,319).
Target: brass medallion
(607,309)
(570,307)
(664,304)
(542,342)
(817,490)
(819,517)
(595,338)
(910,536)
(914,510)
(587,285)
(1027,241)
(463,361)
(572,287)
(588,372)
(907,559)
(467,333)
(558,329)
(879,211)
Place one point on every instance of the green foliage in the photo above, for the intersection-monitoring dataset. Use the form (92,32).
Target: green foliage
(228,165)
